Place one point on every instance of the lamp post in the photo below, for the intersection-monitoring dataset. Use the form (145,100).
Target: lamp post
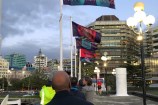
(148,20)
(97,71)
(105,58)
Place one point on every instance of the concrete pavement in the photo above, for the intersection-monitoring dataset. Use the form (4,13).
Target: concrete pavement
(123,100)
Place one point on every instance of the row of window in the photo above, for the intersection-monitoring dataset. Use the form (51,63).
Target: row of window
(112,38)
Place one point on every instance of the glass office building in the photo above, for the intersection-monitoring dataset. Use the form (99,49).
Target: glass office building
(117,39)
(16,61)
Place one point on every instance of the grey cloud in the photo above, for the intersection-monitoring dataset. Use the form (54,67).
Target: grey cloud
(22,12)
(21,17)
(31,49)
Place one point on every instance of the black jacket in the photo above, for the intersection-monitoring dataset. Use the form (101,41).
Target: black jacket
(75,91)
(66,98)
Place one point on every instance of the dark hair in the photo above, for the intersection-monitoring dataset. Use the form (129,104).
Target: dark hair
(81,83)
(74,81)
(88,80)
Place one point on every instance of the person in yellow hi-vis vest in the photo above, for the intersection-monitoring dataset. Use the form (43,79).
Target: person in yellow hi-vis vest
(47,93)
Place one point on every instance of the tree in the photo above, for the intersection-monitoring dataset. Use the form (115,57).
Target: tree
(3,82)
(16,84)
(88,69)
(133,73)
(36,80)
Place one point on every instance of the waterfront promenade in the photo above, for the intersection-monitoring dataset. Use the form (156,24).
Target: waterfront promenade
(124,100)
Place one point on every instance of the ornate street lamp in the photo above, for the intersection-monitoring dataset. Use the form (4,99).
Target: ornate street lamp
(104,59)
(137,20)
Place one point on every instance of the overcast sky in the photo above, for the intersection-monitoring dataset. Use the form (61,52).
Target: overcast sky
(28,25)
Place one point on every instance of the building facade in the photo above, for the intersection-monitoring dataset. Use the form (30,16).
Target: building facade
(4,67)
(117,40)
(155,41)
(148,44)
(40,61)
(16,61)
(53,64)
(20,74)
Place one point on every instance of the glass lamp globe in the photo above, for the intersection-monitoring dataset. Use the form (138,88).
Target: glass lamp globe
(105,64)
(103,58)
(139,6)
(140,16)
(131,22)
(149,20)
(96,68)
(140,38)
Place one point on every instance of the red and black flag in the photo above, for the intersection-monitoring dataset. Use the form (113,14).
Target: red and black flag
(104,3)
(84,32)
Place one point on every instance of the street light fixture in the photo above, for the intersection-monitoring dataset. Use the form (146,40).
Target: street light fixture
(97,71)
(105,58)
(148,20)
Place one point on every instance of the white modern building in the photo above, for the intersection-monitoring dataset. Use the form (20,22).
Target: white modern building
(4,67)
(40,61)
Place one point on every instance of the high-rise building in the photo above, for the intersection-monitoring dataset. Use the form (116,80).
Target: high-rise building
(155,41)
(117,40)
(40,61)
(148,44)
(16,61)
(151,43)
(4,67)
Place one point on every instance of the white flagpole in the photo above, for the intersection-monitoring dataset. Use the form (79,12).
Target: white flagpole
(75,60)
(79,73)
(61,37)
(71,46)
(0,27)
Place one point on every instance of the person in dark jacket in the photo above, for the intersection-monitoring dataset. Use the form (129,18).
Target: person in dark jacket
(75,90)
(61,84)
(80,84)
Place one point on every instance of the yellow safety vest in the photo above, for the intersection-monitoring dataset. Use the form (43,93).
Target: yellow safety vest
(46,94)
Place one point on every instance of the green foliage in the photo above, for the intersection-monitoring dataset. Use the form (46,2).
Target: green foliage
(35,81)
(88,69)
(16,84)
(133,74)
(3,81)
(111,81)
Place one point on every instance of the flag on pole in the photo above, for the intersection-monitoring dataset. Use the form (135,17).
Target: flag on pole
(87,60)
(84,43)
(104,3)
(86,53)
(81,31)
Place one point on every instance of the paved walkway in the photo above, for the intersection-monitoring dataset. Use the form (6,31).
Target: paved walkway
(123,100)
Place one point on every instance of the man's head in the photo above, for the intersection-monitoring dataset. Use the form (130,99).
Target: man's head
(74,81)
(61,81)
(87,81)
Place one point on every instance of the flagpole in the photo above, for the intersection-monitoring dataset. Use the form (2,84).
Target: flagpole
(79,73)
(0,28)
(61,37)
(71,46)
(75,60)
